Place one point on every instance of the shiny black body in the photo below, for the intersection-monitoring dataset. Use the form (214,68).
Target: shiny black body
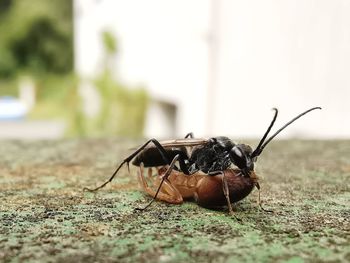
(211,156)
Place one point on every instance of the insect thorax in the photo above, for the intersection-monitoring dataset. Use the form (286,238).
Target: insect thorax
(211,157)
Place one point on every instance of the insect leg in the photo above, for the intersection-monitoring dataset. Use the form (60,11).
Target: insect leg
(149,175)
(189,135)
(226,193)
(259,200)
(224,188)
(165,177)
(129,158)
(168,193)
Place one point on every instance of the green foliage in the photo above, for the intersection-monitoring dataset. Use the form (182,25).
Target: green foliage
(109,42)
(8,87)
(36,37)
(36,40)
(52,92)
(123,110)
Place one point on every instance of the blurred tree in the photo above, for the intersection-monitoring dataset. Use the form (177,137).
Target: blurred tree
(109,42)
(123,108)
(36,37)
(4,6)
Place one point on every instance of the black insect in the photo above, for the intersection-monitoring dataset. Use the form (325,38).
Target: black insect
(210,156)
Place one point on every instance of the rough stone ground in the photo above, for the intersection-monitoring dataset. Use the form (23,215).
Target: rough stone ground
(45,216)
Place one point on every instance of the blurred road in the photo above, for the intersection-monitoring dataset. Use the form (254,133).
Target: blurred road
(31,130)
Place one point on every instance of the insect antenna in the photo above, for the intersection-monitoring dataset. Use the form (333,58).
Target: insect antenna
(258,151)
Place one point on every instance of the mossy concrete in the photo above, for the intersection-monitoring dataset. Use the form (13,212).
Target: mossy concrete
(46,217)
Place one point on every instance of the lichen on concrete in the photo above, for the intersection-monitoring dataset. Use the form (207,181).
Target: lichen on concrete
(46,217)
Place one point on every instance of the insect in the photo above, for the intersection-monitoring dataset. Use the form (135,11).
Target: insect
(205,190)
(213,157)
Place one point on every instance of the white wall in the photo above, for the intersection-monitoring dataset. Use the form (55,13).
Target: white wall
(226,63)
(288,54)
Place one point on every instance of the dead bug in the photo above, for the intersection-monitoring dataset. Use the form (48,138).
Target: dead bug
(205,190)
(211,156)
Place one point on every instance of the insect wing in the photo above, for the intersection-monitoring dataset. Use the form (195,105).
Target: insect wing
(183,142)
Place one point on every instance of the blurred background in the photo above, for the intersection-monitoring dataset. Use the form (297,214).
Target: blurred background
(163,68)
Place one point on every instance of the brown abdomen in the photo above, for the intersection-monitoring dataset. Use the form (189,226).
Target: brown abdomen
(210,191)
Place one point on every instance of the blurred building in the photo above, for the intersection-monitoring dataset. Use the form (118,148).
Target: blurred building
(217,67)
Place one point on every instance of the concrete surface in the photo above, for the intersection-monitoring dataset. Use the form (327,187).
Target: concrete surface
(45,216)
